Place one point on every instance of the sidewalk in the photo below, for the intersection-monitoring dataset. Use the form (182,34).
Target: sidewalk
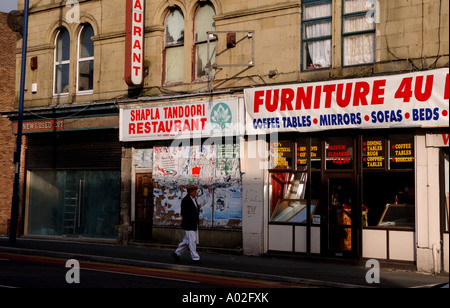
(296,270)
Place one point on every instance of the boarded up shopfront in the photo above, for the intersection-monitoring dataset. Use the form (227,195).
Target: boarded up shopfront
(180,145)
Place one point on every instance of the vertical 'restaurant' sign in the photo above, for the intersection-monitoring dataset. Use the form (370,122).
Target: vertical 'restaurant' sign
(134,42)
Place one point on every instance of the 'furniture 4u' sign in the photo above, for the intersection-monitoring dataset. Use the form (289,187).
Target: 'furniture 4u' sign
(418,99)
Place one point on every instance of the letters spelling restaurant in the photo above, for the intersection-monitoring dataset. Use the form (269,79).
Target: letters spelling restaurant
(358,167)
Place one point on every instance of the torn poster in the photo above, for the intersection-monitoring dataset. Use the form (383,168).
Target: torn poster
(201,165)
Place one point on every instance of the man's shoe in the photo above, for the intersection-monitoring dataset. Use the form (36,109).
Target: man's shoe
(176,257)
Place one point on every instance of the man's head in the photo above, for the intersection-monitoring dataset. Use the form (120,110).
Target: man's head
(192,191)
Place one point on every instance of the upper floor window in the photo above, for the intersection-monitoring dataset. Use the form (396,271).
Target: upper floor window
(85,78)
(358,33)
(316,29)
(62,62)
(174,47)
(203,23)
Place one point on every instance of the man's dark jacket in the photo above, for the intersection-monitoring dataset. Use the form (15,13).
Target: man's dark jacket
(189,213)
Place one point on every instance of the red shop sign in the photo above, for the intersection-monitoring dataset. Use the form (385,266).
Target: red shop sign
(134,42)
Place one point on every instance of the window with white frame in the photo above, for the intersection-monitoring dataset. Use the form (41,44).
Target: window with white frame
(61,62)
(174,47)
(203,23)
(317,32)
(85,79)
(358,32)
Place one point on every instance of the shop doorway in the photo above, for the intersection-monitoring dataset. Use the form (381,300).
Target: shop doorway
(339,233)
(144,207)
(74,203)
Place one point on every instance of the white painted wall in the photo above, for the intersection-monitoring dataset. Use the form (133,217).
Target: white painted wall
(428,235)
(253,165)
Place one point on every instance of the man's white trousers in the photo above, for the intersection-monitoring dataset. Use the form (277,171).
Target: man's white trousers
(189,242)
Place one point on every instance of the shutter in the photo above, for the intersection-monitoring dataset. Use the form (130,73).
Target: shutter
(97,149)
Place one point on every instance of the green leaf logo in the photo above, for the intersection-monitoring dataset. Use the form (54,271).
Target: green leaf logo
(221,116)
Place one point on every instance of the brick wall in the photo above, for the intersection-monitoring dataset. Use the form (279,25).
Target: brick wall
(7,82)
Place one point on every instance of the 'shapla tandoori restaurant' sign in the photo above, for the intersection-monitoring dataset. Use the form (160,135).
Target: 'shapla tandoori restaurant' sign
(202,119)
(419,99)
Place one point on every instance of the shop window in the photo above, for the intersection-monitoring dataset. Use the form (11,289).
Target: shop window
(394,153)
(281,155)
(358,33)
(203,23)
(288,197)
(62,62)
(374,153)
(389,199)
(85,81)
(76,203)
(388,181)
(315,154)
(289,180)
(401,152)
(174,46)
(339,153)
(317,29)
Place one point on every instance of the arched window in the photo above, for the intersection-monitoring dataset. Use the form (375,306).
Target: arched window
(85,79)
(174,47)
(62,62)
(203,22)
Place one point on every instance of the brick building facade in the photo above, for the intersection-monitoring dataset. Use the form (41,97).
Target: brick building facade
(7,141)
(211,66)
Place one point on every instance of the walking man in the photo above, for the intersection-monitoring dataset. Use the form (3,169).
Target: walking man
(190,219)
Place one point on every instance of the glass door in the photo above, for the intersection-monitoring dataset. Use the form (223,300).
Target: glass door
(340,214)
(98,203)
(74,203)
